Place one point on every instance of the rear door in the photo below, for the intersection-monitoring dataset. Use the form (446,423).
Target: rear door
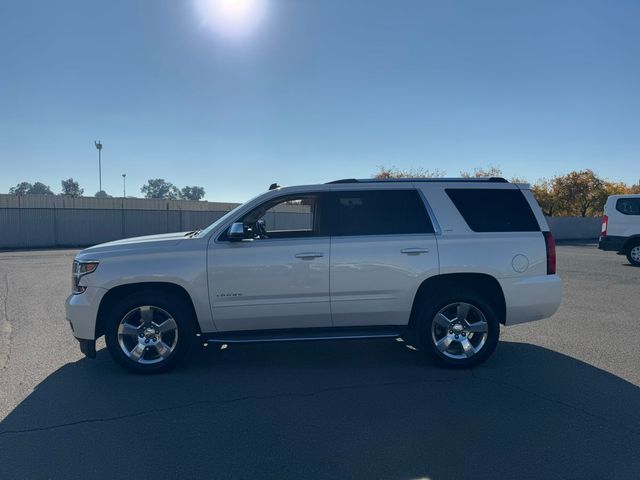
(625,220)
(382,246)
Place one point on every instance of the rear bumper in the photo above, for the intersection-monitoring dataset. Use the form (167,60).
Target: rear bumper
(82,312)
(612,243)
(531,298)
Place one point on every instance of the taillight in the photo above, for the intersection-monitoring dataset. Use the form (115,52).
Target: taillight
(605,222)
(550,243)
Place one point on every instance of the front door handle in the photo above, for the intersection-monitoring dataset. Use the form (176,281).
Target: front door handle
(414,251)
(309,255)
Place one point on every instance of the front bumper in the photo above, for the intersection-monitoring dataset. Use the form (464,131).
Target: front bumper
(82,312)
(531,298)
(612,243)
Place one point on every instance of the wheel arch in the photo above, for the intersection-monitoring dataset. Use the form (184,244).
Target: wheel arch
(115,294)
(481,283)
(632,240)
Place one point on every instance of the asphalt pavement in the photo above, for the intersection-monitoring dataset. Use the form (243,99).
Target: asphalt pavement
(560,398)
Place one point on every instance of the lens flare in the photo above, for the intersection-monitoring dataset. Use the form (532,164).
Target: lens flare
(231,18)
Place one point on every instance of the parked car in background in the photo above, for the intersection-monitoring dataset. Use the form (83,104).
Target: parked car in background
(621,227)
(439,262)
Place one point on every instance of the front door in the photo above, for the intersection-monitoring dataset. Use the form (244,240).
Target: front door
(279,276)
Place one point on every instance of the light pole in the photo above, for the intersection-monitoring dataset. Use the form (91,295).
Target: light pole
(124,185)
(99,147)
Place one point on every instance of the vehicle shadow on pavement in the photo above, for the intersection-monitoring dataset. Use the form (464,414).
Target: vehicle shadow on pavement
(328,410)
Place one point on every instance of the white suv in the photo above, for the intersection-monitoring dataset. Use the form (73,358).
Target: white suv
(621,227)
(441,263)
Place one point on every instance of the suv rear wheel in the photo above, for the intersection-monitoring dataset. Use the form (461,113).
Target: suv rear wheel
(459,330)
(149,333)
(633,254)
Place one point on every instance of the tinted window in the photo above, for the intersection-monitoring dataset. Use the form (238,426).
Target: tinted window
(628,206)
(380,212)
(493,210)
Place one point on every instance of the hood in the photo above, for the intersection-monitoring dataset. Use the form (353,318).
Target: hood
(147,241)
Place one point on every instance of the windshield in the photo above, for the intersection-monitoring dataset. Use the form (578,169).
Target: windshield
(214,225)
(205,231)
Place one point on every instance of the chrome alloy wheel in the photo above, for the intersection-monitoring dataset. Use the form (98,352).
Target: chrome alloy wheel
(147,334)
(634,253)
(459,330)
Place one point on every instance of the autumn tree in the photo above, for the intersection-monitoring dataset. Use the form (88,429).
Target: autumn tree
(545,195)
(580,193)
(490,171)
(395,172)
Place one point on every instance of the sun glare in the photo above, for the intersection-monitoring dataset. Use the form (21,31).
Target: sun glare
(231,18)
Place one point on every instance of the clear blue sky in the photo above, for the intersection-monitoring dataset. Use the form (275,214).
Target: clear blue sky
(317,90)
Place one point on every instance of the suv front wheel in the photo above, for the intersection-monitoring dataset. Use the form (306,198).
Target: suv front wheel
(148,333)
(459,330)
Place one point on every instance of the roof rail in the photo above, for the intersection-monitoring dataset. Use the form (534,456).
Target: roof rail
(420,179)
(344,180)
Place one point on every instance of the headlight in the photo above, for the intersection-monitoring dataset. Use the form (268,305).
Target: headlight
(79,270)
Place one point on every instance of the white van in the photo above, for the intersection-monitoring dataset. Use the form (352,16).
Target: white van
(621,227)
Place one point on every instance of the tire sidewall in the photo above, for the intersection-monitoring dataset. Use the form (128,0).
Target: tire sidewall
(427,317)
(631,260)
(178,310)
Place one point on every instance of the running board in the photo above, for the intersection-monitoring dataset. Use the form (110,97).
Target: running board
(302,335)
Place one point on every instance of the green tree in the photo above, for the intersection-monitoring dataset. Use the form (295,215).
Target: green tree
(26,188)
(71,187)
(102,194)
(192,193)
(159,188)
(40,188)
(21,189)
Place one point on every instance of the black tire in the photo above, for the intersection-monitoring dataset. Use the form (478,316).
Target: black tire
(428,337)
(181,337)
(631,253)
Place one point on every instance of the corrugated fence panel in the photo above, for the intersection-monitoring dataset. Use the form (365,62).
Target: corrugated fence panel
(10,228)
(87,227)
(37,227)
(198,220)
(144,222)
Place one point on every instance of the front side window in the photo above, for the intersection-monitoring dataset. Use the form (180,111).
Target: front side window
(378,212)
(628,206)
(285,217)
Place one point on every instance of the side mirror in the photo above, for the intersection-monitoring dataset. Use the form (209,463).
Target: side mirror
(236,232)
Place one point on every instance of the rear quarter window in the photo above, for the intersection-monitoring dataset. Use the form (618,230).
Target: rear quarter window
(494,210)
(628,206)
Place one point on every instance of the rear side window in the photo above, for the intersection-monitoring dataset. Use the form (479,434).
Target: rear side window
(379,212)
(494,210)
(628,206)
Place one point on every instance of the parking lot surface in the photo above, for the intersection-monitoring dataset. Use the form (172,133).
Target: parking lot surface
(559,399)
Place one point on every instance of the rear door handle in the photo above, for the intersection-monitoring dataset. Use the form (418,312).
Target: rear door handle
(414,251)
(309,255)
